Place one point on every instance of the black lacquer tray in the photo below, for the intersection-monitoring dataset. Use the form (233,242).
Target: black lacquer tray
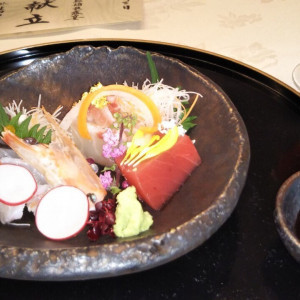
(245,259)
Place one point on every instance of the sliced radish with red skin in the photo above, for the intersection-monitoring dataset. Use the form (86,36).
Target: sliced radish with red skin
(62,213)
(17,184)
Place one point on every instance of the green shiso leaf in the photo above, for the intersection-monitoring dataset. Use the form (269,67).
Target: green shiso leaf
(22,129)
(47,138)
(40,134)
(188,123)
(14,121)
(152,67)
(33,131)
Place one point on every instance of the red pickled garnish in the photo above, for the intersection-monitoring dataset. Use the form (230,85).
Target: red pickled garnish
(110,218)
(102,219)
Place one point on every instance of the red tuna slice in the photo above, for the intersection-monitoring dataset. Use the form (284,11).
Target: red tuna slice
(158,178)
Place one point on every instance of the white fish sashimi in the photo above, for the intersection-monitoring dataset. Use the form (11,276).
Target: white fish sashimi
(10,213)
(100,119)
(8,153)
(32,204)
(89,148)
(40,179)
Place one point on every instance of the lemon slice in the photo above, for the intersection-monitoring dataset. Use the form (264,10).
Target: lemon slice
(130,100)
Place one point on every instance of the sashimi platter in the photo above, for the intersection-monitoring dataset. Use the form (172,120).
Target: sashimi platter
(113,161)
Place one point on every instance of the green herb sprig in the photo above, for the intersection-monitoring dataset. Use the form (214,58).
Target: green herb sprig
(188,122)
(152,67)
(128,121)
(22,130)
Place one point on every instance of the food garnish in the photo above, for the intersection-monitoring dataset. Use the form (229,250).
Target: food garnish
(187,120)
(62,212)
(112,147)
(130,217)
(152,67)
(102,164)
(137,153)
(23,129)
(17,184)
(102,219)
(135,95)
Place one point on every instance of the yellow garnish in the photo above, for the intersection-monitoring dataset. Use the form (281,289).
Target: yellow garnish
(154,146)
(134,146)
(100,102)
(96,94)
(96,87)
(10,128)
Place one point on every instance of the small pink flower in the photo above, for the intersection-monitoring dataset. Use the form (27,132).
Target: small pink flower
(118,151)
(111,138)
(111,147)
(106,179)
(106,150)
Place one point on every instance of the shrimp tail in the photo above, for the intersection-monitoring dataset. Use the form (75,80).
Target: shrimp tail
(26,151)
(60,162)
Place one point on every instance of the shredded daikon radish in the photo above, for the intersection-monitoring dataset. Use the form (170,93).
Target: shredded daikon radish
(13,109)
(168,99)
(38,116)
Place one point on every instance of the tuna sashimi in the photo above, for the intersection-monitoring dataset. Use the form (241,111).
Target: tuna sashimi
(158,178)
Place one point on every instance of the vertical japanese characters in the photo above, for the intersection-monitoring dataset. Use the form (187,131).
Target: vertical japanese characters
(35,17)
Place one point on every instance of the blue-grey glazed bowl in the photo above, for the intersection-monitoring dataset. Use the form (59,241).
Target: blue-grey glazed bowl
(195,212)
(286,212)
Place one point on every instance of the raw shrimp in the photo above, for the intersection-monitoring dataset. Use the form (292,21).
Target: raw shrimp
(60,162)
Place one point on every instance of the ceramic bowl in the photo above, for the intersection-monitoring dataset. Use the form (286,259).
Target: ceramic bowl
(286,213)
(195,212)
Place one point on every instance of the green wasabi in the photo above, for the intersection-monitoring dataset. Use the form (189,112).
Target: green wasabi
(130,217)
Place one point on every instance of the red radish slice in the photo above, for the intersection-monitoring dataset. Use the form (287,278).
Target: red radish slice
(62,212)
(17,184)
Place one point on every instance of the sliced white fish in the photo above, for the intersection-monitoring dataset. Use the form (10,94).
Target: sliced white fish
(40,179)
(7,152)
(10,213)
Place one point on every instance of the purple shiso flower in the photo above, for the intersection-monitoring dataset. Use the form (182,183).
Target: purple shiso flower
(111,148)
(110,138)
(106,179)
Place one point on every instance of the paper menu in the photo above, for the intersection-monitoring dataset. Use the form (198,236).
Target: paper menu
(21,16)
